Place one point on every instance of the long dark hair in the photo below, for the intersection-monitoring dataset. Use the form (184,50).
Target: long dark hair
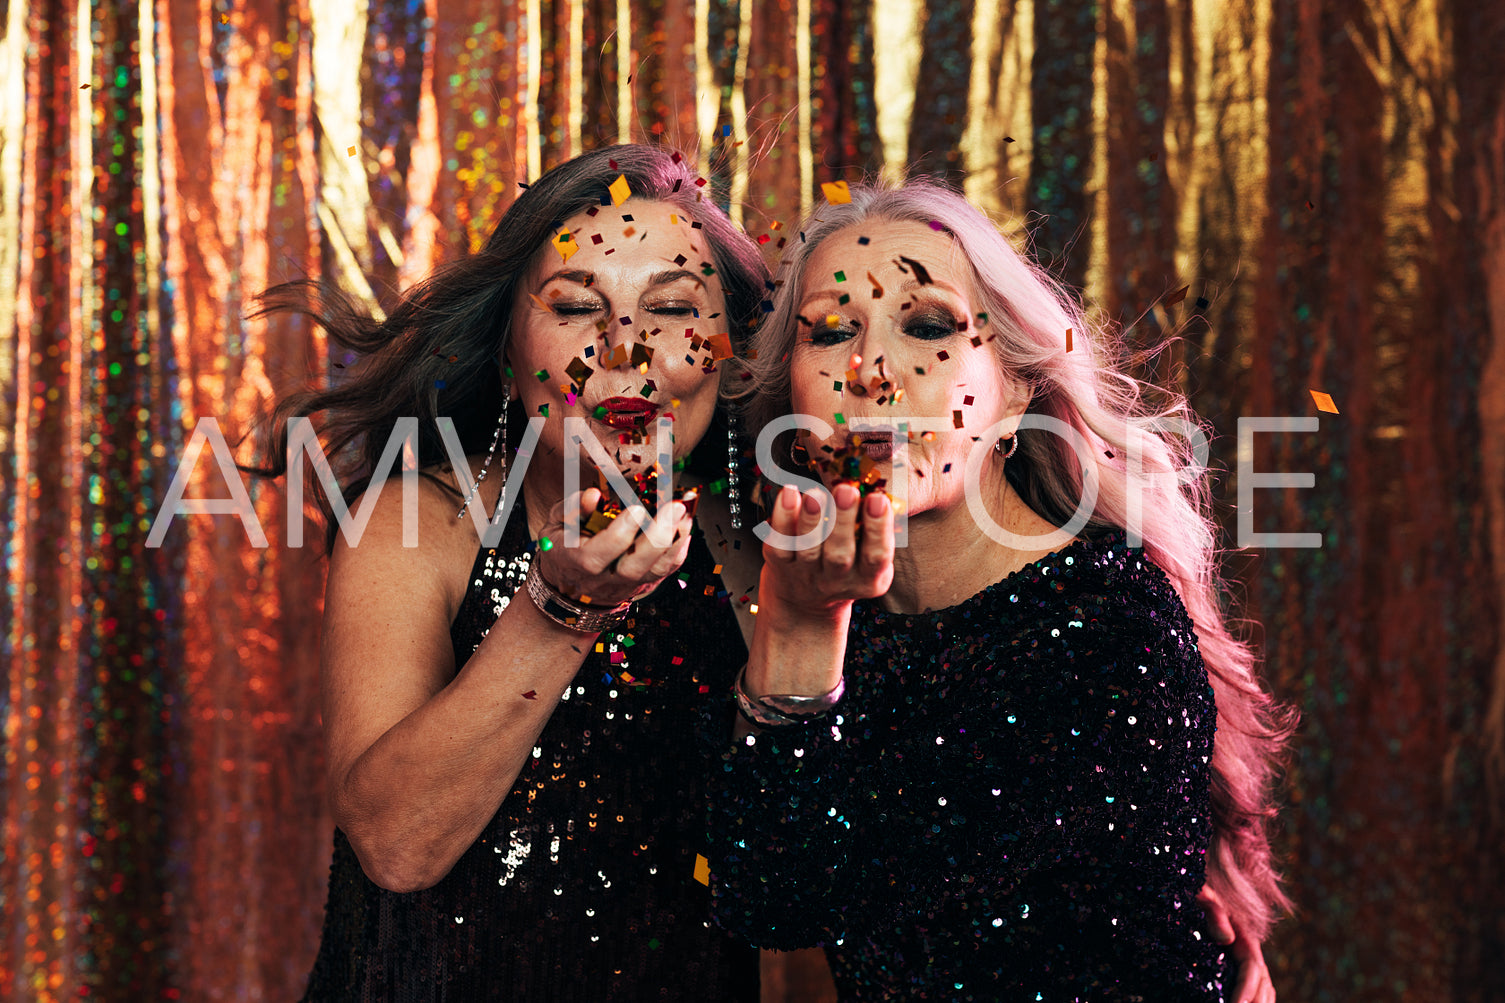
(438,352)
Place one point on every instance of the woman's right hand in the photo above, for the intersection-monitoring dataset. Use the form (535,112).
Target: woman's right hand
(618,563)
(856,561)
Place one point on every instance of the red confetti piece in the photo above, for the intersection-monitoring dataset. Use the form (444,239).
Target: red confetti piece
(531,695)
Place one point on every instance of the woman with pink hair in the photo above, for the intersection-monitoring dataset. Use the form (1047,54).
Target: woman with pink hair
(1000,759)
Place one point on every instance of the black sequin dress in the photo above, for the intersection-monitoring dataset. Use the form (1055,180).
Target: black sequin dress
(582,887)
(1011,802)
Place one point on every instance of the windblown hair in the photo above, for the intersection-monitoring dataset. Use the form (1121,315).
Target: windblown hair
(439,351)
(1089,390)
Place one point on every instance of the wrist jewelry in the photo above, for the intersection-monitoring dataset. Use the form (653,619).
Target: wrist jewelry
(776,710)
(565,611)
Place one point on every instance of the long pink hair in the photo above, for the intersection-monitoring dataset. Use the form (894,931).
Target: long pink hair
(1088,389)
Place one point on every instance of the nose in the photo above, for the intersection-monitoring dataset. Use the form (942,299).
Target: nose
(870,377)
(620,343)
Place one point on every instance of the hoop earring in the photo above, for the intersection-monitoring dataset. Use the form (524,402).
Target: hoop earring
(498,436)
(733,495)
(1013,441)
(797,451)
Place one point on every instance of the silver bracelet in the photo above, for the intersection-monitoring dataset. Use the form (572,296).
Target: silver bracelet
(777,710)
(568,613)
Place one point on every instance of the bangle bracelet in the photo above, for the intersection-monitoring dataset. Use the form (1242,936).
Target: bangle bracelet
(568,613)
(781,709)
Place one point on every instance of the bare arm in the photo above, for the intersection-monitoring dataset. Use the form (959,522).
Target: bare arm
(421,757)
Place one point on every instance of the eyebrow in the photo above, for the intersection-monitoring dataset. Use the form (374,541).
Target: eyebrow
(589,278)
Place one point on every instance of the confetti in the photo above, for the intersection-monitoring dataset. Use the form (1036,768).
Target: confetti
(565,245)
(1068,339)
(531,695)
(702,869)
(836,192)
(350,150)
(956,419)
(544,543)
(920,274)
(877,287)
(1324,402)
(1177,296)
(620,190)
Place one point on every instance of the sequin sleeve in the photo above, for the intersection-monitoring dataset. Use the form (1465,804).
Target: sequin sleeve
(1016,797)
(779,836)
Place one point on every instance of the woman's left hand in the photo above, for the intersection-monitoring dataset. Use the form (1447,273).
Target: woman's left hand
(1254,984)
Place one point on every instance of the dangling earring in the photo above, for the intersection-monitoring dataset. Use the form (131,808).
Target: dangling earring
(1013,441)
(733,454)
(499,435)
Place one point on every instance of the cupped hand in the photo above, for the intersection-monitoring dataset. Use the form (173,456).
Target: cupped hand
(856,561)
(1254,985)
(618,563)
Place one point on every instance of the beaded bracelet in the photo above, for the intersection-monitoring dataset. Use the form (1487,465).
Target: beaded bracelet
(777,710)
(568,613)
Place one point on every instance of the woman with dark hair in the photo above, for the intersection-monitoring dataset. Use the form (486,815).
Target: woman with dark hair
(981,766)
(509,724)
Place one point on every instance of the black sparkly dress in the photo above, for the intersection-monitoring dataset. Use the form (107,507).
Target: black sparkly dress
(1011,801)
(582,887)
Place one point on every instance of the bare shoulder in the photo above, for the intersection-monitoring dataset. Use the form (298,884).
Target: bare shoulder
(419,543)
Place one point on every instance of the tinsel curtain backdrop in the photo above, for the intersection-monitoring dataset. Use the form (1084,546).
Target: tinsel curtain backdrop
(1324,179)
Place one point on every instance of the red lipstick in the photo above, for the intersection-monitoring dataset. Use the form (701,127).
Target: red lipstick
(627,413)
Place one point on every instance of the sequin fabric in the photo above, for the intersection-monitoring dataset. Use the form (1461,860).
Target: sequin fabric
(582,886)
(1011,801)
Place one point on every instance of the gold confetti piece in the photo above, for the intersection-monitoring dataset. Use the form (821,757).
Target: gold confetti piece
(565,245)
(877,288)
(716,570)
(620,190)
(702,869)
(1324,402)
(753,609)
(350,150)
(1068,339)
(832,320)
(836,192)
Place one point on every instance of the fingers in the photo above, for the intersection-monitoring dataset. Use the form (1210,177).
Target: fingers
(1219,921)
(807,528)
(840,549)
(647,561)
(877,535)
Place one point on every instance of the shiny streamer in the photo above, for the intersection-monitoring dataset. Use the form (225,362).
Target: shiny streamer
(1321,175)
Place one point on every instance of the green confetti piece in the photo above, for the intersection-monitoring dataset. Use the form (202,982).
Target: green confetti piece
(600,411)
(543,375)
(544,543)
(841,276)
(845,299)
(841,419)
(543,409)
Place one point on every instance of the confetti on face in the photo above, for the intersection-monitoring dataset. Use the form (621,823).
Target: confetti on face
(920,274)
(565,245)
(620,190)
(836,192)
(531,695)
(877,288)
(1324,402)
(956,419)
